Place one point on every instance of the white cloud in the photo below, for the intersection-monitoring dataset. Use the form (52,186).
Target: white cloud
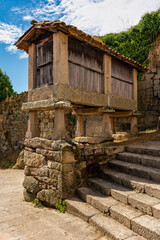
(9,33)
(27,18)
(23,55)
(93,16)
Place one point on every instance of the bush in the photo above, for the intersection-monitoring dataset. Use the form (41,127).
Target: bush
(6,89)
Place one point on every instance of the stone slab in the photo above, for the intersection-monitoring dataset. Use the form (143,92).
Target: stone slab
(143,202)
(111,227)
(95,140)
(97,200)
(80,209)
(147,226)
(124,214)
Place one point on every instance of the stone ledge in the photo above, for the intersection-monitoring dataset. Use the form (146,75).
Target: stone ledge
(49,104)
(94,140)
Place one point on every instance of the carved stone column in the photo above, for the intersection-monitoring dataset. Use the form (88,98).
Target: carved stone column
(80,126)
(33,129)
(106,126)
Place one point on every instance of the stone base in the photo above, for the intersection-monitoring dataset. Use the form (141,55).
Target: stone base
(95,140)
(55,169)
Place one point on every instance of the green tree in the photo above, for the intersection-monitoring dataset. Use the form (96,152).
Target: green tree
(6,89)
(136,42)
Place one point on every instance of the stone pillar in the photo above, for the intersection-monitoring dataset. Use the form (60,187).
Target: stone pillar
(80,126)
(134,129)
(60,58)
(33,129)
(59,124)
(31,67)
(107,73)
(106,126)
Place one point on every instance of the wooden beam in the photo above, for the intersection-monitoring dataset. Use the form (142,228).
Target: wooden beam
(92,111)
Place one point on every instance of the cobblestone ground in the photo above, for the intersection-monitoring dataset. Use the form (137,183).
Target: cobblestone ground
(19,220)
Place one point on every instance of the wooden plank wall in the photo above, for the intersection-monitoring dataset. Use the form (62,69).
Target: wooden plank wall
(121,79)
(44,72)
(85,67)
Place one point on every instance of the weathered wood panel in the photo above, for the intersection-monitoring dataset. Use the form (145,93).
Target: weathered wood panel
(121,80)
(44,73)
(121,88)
(85,67)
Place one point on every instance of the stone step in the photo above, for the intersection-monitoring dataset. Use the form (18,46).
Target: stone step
(136,169)
(147,226)
(139,184)
(106,204)
(104,223)
(145,160)
(147,149)
(143,202)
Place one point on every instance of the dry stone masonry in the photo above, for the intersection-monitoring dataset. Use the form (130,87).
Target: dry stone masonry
(54,169)
(149,92)
(13,123)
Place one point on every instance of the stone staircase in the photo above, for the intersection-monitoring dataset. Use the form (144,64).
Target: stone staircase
(124,200)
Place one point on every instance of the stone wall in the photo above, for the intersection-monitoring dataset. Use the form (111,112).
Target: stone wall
(55,169)
(149,98)
(13,123)
(149,91)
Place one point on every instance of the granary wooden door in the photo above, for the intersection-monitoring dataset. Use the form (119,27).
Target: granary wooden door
(121,79)
(44,63)
(85,66)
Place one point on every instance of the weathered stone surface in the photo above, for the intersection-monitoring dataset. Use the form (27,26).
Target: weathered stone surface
(27,171)
(38,143)
(147,226)
(29,197)
(31,184)
(54,156)
(68,157)
(111,227)
(20,161)
(95,140)
(97,200)
(53,173)
(124,214)
(54,165)
(80,209)
(43,171)
(48,197)
(143,202)
(32,159)
(41,151)
(156,210)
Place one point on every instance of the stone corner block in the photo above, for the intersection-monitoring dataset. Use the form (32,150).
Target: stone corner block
(31,184)
(33,159)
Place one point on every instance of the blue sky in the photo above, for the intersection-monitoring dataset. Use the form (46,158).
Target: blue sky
(96,17)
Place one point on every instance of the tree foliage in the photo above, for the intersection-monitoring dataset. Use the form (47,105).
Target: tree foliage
(6,88)
(136,41)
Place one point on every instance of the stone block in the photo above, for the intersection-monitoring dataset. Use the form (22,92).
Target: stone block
(54,156)
(147,226)
(32,159)
(54,165)
(31,184)
(68,157)
(53,173)
(48,197)
(29,197)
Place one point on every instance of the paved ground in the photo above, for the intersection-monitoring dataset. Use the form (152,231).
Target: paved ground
(19,220)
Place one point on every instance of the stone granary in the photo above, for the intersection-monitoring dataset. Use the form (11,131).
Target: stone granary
(70,70)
